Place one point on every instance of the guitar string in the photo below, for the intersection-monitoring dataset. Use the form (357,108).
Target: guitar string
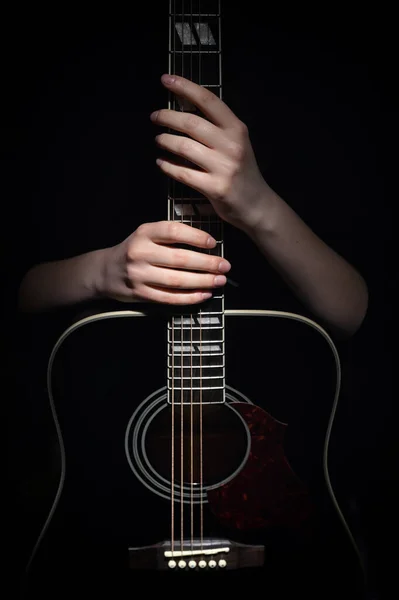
(60,439)
(200,336)
(182,332)
(188,31)
(192,39)
(172,49)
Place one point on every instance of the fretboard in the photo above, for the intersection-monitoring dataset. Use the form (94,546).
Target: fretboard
(196,351)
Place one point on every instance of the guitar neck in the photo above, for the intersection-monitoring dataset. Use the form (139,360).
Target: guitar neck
(195,53)
(196,341)
(195,41)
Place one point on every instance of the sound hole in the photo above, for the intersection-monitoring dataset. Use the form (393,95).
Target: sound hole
(224,436)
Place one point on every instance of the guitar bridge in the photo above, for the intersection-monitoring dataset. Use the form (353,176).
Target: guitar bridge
(197,555)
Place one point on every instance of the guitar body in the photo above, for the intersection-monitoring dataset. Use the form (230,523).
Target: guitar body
(194,454)
(263,478)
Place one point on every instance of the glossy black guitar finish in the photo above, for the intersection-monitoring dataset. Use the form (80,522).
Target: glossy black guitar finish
(264,481)
(194,455)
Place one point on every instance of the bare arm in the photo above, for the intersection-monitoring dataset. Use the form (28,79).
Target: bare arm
(139,269)
(60,283)
(333,290)
(142,268)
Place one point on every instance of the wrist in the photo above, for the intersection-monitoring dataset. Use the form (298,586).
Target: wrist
(97,269)
(261,220)
(106,281)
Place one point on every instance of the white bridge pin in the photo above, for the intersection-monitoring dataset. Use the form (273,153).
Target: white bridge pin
(172,564)
(192,564)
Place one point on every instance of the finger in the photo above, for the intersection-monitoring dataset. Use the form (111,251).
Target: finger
(179,258)
(189,149)
(184,280)
(209,104)
(181,297)
(174,232)
(200,181)
(196,127)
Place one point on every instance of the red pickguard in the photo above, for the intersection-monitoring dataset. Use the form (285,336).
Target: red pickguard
(266,492)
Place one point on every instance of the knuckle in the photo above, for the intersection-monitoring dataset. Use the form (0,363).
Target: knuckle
(191,123)
(215,263)
(184,176)
(184,145)
(237,151)
(208,98)
(210,281)
(135,251)
(221,188)
(161,139)
(174,281)
(173,229)
(142,230)
(177,299)
(186,299)
(241,129)
(131,252)
(179,258)
(134,277)
(161,113)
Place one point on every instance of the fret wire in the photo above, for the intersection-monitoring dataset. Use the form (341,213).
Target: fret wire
(188,342)
(199,389)
(194,327)
(199,354)
(207,313)
(200,15)
(200,52)
(198,375)
(219,365)
(186,356)
(182,382)
(208,379)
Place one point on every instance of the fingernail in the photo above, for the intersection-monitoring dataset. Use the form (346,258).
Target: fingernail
(224,266)
(168,79)
(219,280)
(206,295)
(154,115)
(211,242)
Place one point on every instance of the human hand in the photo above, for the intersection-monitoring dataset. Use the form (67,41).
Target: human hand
(220,147)
(146,267)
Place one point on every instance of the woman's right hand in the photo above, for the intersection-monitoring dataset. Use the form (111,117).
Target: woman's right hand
(146,267)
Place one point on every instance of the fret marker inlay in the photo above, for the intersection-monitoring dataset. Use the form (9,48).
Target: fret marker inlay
(187,37)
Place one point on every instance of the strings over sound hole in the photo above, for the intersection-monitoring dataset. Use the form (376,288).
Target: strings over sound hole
(211,443)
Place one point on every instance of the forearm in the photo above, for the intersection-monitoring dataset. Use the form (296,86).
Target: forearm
(324,281)
(60,283)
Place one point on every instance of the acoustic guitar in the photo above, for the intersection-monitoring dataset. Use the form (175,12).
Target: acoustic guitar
(194,442)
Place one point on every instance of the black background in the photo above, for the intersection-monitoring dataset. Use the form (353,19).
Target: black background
(317,91)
